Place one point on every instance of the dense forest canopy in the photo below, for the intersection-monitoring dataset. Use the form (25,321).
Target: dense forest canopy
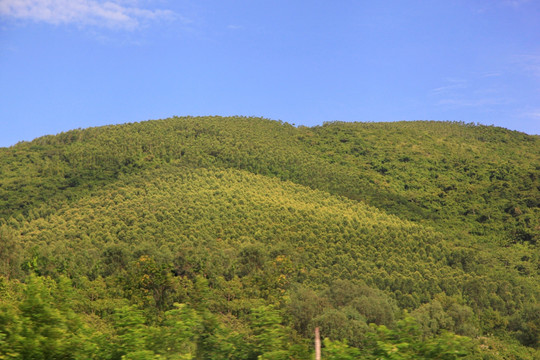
(213,237)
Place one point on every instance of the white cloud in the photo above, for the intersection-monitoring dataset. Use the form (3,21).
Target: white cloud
(113,13)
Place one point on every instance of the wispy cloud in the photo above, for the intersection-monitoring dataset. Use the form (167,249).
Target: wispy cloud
(461,93)
(457,102)
(448,88)
(515,3)
(112,13)
(533,114)
(490,75)
(488,6)
(451,86)
(529,63)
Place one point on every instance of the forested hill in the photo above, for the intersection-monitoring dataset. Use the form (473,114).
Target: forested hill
(217,237)
(484,179)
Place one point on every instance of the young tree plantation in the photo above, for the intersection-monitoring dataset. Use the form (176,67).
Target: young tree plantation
(233,238)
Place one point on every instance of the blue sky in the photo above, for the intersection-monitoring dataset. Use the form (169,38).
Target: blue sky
(68,64)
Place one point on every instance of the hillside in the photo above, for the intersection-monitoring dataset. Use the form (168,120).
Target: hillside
(262,231)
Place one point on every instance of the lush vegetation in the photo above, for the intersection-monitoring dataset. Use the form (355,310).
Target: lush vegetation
(232,238)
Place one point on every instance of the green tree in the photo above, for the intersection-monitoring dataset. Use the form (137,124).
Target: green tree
(406,341)
(36,329)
